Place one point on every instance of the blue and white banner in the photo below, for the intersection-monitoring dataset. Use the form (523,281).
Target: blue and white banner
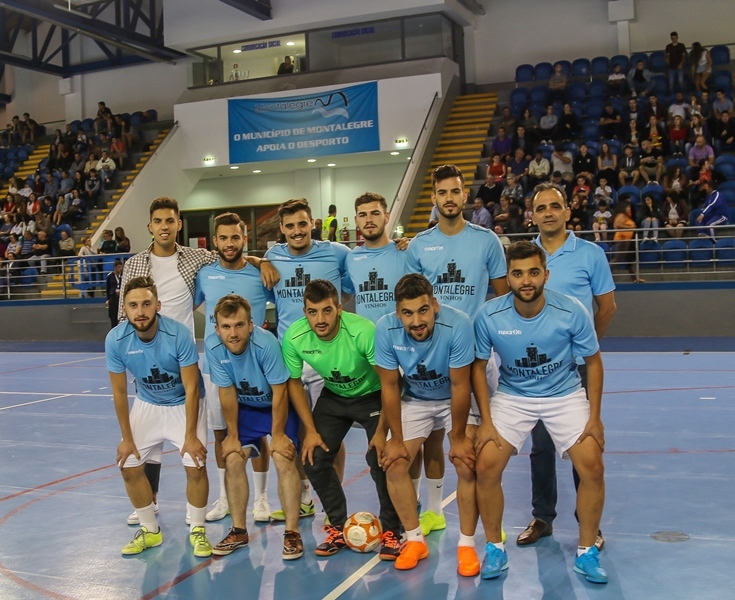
(340,121)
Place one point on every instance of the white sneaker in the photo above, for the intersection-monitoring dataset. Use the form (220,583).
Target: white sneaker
(133,518)
(220,510)
(261,510)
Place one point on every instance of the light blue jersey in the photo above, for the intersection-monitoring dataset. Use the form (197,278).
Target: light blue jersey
(426,364)
(252,372)
(458,266)
(324,260)
(373,275)
(537,354)
(156,365)
(579,269)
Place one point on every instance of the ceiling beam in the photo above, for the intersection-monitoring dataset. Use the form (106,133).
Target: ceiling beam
(260,9)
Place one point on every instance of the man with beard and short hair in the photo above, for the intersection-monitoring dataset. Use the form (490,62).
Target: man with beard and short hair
(162,356)
(231,274)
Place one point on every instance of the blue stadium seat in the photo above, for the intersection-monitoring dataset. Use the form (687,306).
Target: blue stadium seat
(720,55)
(622,60)
(135,118)
(722,79)
(655,190)
(538,109)
(570,147)
(581,68)
(538,94)
(590,132)
(543,71)
(661,88)
(594,109)
(727,189)
(658,61)
(578,109)
(619,104)
(674,254)
(693,216)
(593,147)
(600,66)
(725,252)
(60,228)
(682,163)
(152,115)
(566,67)
(649,254)
(76,125)
(88,125)
(598,90)
(635,57)
(701,252)
(578,91)
(605,247)
(524,73)
(634,194)
(520,95)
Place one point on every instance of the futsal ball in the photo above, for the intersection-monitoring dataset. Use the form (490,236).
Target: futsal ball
(362,532)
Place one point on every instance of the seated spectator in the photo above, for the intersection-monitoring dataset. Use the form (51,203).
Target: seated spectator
(528,224)
(480,215)
(557,179)
(77,207)
(507,215)
(610,122)
(701,62)
(87,249)
(103,120)
(92,189)
(19,227)
(123,243)
(607,164)
(558,84)
(577,215)
(538,170)
(722,104)
(697,187)
(723,137)
(41,251)
(77,165)
(118,152)
(531,125)
(603,192)
(567,125)
(624,250)
(676,182)
(6,228)
(649,216)
(26,249)
(705,107)
(9,205)
(674,214)
(47,207)
(78,183)
(652,163)
(489,193)
(547,126)
(522,142)
(501,143)
(582,190)
(678,108)
(629,167)
(677,137)
(585,164)
(513,190)
(697,153)
(655,132)
(107,245)
(33,206)
(496,168)
(616,81)
(634,113)
(30,129)
(39,184)
(66,183)
(655,109)
(67,245)
(639,80)
(61,211)
(714,212)
(601,220)
(9,270)
(561,161)
(518,166)
(128,133)
(696,128)
(106,168)
(91,163)
(15,136)
(508,122)
(14,246)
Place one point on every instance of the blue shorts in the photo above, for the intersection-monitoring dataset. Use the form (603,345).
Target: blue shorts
(255,423)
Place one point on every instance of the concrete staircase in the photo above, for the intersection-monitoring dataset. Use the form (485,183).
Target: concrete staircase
(461,143)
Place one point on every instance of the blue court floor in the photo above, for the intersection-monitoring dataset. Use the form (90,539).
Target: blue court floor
(668,521)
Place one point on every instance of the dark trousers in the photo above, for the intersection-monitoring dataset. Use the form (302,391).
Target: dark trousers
(543,468)
(333,417)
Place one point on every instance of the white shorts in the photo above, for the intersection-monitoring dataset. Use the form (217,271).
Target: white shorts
(214,406)
(564,417)
(153,424)
(313,383)
(492,374)
(420,417)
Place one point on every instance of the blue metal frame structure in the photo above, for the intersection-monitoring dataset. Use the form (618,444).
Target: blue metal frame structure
(260,9)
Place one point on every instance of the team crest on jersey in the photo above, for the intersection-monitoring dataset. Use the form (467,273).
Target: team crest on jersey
(373,293)
(253,393)
(535,364)
(344,382)
(427,379)
(160,381)
(294,286)
(450,285)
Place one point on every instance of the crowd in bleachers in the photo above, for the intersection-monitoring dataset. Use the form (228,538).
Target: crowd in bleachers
(656,131)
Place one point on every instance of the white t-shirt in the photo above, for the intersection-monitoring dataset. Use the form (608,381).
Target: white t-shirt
(176,300)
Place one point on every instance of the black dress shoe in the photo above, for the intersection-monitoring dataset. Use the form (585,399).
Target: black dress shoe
(534,532)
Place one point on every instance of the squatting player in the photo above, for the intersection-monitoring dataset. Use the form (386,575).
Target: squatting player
(538,333)
(162,356)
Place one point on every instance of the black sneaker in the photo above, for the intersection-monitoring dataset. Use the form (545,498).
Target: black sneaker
(293,547)
(390,546)
(334,543)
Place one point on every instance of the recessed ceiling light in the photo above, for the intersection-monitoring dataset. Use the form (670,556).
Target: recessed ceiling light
(236,51)
(394,153)
(311,160)
(233,167)
(290,43)
(256,171)
(332,164)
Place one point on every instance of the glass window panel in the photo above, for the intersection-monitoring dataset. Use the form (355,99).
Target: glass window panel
(350,46)
(425,37)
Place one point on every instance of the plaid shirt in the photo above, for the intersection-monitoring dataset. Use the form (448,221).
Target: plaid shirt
(190,260)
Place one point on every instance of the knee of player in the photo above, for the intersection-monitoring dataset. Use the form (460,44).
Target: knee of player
(592,468)
(283,464)
(398,470)
(463,471)
(234,461)
(196,475)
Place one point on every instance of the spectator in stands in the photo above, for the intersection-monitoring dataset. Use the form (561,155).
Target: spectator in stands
(721,104)
(496,168)
(629,167)
(67,245)
(582,190)
(77,207)
(47,207)
(547,125)
(107,244)
(501,144)
(697,191)
(639,80)
(128,134)
(64,158)
(113,292)
(531,125)
(561,160)
(69,137)
(19,227)
(601,220)
(91,163)
(705,107)
(714,212)
(6,228)
(585,164)
(607,164)
(567,125)
(610,122)
(616,81)
(652,162)
(87,249)
(603,192)
(103,118)
(106,168)
(26,250)
(557,179)
(677,137)
(507,215)
(508,122)
(558,84)
(513,190)
(118,152)
(528,225)
(523,142)
(14,246)
(122,241)
(577,215)
(9,204)
(87,267)
(633,112)
(538,170)
(92,189)
(489,193)
(697,153)
(13,187)
(433,219)
(518,166)
(286,67)
(724,134)
(39,184)
(696,128)
(655,109)
(480,215)
(655,132)
(675,53)
(66,183)
(62,208)
(30,129)
(51,186)
(16,132)
(649,216)
(679,107)
(624,226)
(695,107)
(53,150)
(81,143)
(676,182)
(78,182)
(33,206)
(701,62)
(675,214)
(77,165)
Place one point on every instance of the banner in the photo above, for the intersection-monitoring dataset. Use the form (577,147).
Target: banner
(340,121)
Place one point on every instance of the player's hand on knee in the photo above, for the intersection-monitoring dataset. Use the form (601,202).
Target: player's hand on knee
(460,449)
(312,441)
(281,444)
(393,451)
(596,430)
(194,448)
(125,449)
(486,432)
(378,442)
(231,445)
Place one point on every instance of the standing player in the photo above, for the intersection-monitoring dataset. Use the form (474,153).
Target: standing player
(340,347)
(538,334)
(162,356)
(459,259)
(579,269)
(245,363)
(434,347)
(231,274)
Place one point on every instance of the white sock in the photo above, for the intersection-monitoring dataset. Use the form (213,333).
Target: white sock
(197,516)
(415,535)
(305,491)
(434,493)
(260,483)
(222,488)
(147,517)
(417,487)
(580,549)
(499,545)
(466,540)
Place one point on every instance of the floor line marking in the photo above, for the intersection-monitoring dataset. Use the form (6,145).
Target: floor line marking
(369,566)
(36,401)
(71,362)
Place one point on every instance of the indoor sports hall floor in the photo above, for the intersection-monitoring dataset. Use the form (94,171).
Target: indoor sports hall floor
(669,410)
